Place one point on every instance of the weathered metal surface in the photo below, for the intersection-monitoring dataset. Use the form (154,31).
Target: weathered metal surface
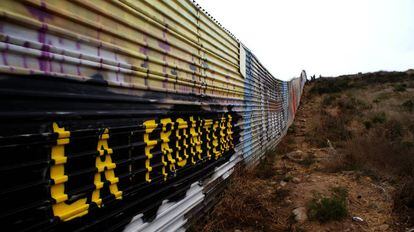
(126,114)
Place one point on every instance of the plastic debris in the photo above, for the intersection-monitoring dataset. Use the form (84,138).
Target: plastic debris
(357,219)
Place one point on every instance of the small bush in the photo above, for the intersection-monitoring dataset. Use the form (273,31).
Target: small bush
(394,130)
(381,97)
(326,209)
(400,88)
(308,160)
(331,85)
(341,192)
(352,105)
(379,118)
(368,125)
(408,105)
(328,100)
(288,178)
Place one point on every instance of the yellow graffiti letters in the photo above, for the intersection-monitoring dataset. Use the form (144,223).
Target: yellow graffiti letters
(62,209)
(150,126)
(106,167)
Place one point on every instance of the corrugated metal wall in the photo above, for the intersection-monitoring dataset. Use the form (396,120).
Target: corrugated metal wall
(126,115)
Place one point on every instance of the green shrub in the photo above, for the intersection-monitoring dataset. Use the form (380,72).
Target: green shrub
(328,100)
(331,85)
(381,97)
(352,104)
(368,125)
(393,129)
(379,118)
(326,209)
(408,105)
(400,88)
(288,178)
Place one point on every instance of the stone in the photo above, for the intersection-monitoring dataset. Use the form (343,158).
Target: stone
(295,156)
(295,180)
(384,227)
(283,183)
(300,214)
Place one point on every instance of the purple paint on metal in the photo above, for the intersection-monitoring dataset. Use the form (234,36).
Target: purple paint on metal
(144,50)
(193,67)
(4,56)
(25,62)
(164,45)
(61,66)
(41,13)
(44,60)
(117,72)
(78,65)
(3,53)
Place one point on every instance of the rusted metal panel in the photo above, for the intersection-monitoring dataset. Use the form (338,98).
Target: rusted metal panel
(126,114)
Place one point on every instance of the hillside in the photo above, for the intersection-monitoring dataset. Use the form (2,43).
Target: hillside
(346,164)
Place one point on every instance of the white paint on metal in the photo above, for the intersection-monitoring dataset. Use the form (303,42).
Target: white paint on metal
(170,215)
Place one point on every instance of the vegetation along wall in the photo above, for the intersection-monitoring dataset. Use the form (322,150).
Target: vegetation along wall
(126,115)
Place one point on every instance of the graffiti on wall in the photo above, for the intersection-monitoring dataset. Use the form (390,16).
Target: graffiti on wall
(169,146)
(127,114)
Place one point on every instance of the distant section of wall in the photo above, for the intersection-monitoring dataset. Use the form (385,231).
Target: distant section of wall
(127,115)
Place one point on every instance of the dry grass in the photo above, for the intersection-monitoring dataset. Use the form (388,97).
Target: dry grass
(248,202)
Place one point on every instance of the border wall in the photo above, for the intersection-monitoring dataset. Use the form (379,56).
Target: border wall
(127,115)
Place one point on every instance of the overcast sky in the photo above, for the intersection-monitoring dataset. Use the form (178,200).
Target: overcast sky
(328,37)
